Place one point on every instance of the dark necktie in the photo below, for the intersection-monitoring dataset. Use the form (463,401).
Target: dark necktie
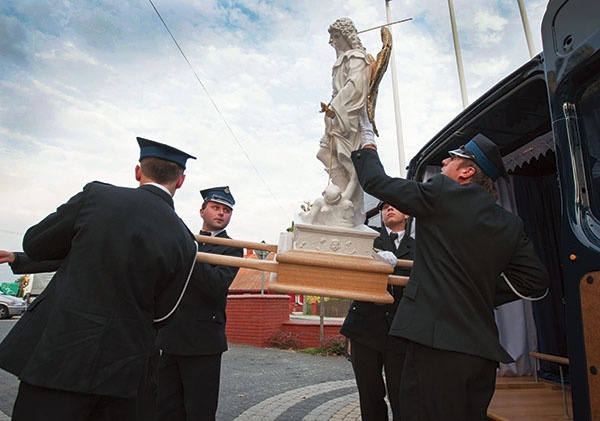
(394,237)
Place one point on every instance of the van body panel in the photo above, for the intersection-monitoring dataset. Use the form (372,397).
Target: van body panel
(571,42)
(545,119)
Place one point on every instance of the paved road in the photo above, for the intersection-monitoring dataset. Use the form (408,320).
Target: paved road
(8,383)
(261,384)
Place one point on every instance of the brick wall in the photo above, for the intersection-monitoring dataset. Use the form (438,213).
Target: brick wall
(308,331)
(252,319)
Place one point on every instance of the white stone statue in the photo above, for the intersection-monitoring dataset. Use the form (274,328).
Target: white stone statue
(333,209)
(349,123)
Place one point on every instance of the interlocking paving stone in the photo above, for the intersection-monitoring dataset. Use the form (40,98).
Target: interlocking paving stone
(275,406)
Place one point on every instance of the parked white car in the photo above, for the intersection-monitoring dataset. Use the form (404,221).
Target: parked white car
(11,306)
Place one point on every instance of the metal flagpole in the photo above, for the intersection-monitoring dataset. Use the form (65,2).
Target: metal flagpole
(526,28)
(461,74)
(399,137)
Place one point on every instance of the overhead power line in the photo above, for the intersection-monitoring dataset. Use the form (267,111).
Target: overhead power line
(215,105)
(10,232)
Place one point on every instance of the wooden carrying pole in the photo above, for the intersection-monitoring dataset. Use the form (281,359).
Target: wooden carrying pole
(314,273)
(236,243)
(219,259)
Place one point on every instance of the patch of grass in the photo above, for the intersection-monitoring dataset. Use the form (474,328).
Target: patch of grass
(330,347)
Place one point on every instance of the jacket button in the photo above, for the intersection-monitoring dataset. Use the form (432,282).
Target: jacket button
(214,317)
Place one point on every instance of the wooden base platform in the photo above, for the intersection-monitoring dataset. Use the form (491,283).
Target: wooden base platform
(521,398)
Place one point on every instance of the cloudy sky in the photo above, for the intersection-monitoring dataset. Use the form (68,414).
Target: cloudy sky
(80,80)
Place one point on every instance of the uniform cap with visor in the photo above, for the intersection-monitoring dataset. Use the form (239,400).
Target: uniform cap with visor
(150,148)
(485,153)
(220,195)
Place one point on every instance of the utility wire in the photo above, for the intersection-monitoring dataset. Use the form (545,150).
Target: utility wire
(215,106)
(10,232)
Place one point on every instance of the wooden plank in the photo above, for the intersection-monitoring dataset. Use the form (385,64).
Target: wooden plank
(589,288)
(331,282)
(542,403)
(331,275)
(268,266)
(332,260)
(324,291)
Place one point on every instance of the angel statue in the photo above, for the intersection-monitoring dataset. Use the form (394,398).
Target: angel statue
(349,116)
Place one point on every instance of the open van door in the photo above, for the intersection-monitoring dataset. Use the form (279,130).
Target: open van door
(571,40)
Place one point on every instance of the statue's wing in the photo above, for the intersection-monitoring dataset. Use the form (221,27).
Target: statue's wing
(378,68)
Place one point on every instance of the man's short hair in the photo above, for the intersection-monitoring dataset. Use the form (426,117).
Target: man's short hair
(160,170)
(480,177)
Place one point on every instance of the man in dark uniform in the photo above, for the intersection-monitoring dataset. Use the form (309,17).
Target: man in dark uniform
(191,346)
(465,242)
(367,325)
(84,348)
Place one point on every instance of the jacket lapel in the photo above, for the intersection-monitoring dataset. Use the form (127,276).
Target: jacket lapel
(403,247)
(208,247)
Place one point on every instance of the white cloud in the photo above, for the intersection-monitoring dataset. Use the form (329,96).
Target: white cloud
(80,80)
(68,53)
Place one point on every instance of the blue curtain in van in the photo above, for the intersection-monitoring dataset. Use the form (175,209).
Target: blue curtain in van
(535,186)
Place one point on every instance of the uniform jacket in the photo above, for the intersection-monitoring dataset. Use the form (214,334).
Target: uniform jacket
(464,242)
(24,265)
(369,323)
(198,328)
(125,259)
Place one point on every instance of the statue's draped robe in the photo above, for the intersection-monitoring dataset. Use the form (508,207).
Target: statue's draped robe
(351,75)
(350,79)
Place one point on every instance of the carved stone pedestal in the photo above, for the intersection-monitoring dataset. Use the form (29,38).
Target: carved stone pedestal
(332,262)
(357,241)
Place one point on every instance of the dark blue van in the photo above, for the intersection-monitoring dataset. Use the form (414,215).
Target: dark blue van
(545,118)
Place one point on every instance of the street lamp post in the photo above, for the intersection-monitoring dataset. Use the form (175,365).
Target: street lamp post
(262,255)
